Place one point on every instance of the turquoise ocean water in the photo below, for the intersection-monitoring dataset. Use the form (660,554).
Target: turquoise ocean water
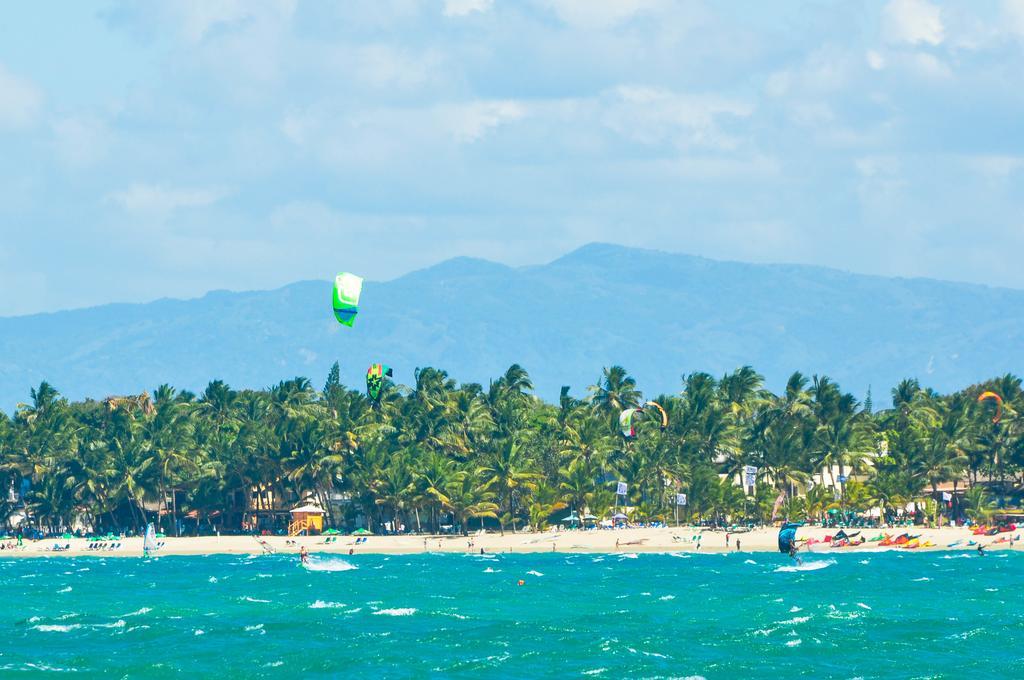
(867,615)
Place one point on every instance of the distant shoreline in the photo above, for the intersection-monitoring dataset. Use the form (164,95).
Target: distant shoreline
(669,539)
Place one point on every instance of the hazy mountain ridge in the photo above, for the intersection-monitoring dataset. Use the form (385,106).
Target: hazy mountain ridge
(660,315)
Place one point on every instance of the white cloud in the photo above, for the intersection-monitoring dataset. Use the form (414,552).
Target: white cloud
(913,22)
(80,141)
(197,18)
(998,167)
(1013,17)
(19,101)
(153,200)
(930,66)
(471,122)
(602,14)
(460,8)
(875,60)
(654,116)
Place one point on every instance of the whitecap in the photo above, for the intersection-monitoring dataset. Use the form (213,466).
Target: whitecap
(749,562)
(116,624)
(807,566)
(57,628)
(273,664)
(923,578)
(628,556)
(257,627)
(595,671)
(863,606)
(795,620)
(399,611)
(793,643)
(320,604)
(254,599)
(329,564)
(794,609)
(534,573)
(212,579)
(488,570)
(65,590)
(667,597)
(138,612)
(199,631)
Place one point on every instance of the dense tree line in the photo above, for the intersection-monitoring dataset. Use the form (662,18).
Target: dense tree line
(438,452)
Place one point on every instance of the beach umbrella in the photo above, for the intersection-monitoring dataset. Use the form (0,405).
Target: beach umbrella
(619,515)
(570,518)
(589,516)
(362,532)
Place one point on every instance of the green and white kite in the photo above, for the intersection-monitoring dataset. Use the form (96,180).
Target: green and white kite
(347,288)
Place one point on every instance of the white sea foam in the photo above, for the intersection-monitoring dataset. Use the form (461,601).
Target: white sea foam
(57,628)
(628,556)
(138,612)
(534,573)
(199,631)
(794,609)
(807,566)
(923,578)
(749,562)
(863,606)
(255,628)
(667,597)
(320,604)
(488,570)
(116,624)
(65,590)
(329,564)
(793,643)
(400,611)
(254,599)
(212,579)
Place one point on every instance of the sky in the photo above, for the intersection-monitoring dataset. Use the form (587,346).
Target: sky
(152,149)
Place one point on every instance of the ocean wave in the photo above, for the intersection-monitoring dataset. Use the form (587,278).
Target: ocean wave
(806,566)
(57,628)
(320,604)
(795,620)
(246,598)
(399,611)
(138,612)
(534,573)
(65,590)
(329,564)
(794,643)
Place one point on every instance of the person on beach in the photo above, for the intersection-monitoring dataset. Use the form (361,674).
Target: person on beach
(981,550)
(303,555)
(737,545)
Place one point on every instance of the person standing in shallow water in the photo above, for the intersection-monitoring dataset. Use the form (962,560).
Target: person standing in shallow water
(303,555)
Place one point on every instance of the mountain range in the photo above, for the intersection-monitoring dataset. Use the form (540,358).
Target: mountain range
(660,315)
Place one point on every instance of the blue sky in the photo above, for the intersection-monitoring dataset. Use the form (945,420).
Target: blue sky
(166,149)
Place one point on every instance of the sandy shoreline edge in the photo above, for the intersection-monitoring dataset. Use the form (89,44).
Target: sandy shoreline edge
(668,539)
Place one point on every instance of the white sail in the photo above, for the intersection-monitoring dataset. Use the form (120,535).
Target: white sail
(149,542)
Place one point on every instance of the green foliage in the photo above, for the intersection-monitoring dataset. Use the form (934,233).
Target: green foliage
(439,453)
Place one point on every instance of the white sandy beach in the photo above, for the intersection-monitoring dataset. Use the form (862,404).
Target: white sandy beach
(668,539)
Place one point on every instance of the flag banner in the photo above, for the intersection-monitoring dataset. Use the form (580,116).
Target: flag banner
(750,475)
(621,490)
(680,499)
(947,496)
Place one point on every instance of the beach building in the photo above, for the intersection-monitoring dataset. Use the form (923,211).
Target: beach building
(307,518)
